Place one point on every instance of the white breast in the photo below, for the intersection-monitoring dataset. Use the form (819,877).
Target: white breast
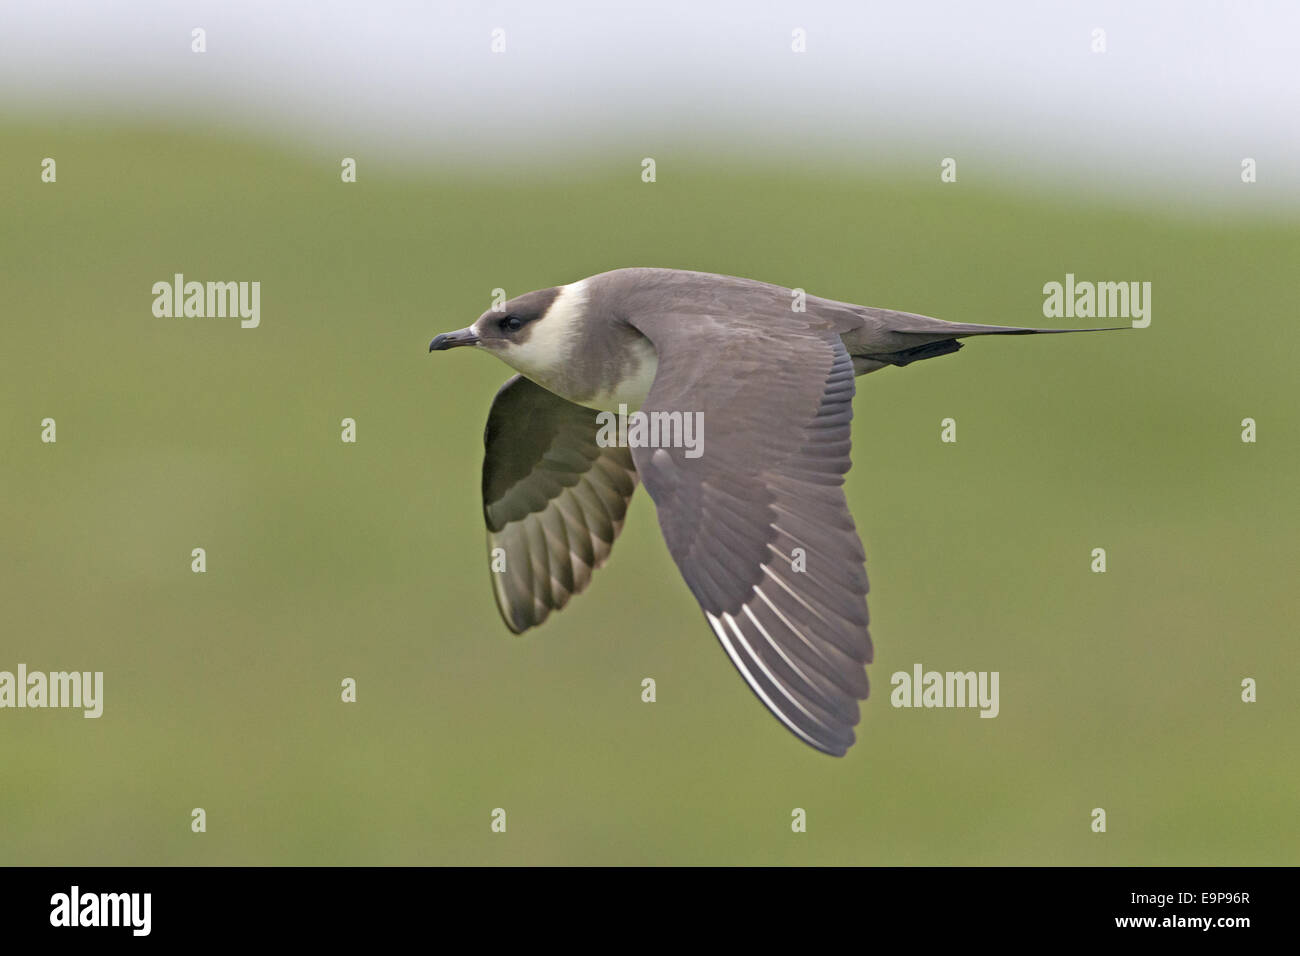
(634,387)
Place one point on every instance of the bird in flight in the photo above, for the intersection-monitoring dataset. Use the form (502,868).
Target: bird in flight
(755,516)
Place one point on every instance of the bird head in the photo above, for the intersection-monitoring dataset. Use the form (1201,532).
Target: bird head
(531,333)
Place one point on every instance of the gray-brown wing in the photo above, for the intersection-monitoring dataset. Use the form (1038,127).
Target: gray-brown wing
(553,500)
(758,523)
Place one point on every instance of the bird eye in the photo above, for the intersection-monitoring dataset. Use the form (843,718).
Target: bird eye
(512,323)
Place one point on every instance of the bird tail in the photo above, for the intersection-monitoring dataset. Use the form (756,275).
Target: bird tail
(908,338)
(909,323)
(963,329)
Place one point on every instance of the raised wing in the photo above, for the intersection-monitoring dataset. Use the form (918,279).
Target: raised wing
(758,522)
(554,500)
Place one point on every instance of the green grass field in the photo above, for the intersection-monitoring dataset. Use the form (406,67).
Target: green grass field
(326,560)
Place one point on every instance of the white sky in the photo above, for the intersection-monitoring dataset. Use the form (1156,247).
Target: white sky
(1183,93)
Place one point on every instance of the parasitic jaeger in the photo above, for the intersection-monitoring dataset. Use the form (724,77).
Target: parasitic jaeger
(775,388)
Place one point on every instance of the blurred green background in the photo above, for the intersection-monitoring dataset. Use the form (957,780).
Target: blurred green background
(327,560)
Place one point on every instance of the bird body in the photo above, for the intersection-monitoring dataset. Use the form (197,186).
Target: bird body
(756,518)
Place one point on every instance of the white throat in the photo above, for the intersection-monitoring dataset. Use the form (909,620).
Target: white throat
(545,354)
